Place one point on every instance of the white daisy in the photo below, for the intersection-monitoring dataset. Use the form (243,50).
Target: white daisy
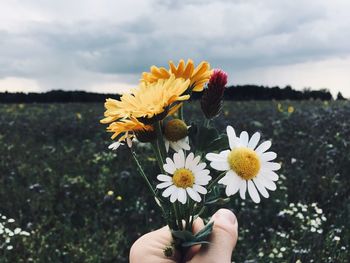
(188,178)
(248,166)
(175,135)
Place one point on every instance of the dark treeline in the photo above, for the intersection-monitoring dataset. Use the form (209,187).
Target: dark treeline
(244,92)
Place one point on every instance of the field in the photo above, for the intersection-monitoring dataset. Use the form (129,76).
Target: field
(56,175)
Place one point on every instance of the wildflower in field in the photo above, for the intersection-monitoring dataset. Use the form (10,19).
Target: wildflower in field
(148,103)
(211,100)
(176,135)
(189,177)
(127,129)
(248,166)
(198,76)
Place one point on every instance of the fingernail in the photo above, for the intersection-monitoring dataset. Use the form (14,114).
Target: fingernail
(227,216)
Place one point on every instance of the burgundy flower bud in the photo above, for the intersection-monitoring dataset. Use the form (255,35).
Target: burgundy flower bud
(211,101)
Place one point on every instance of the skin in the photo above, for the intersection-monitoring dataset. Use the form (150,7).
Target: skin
(149,248)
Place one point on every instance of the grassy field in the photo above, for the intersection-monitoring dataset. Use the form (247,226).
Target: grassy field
(56,172)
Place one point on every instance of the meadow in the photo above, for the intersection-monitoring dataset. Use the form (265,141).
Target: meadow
(64,197)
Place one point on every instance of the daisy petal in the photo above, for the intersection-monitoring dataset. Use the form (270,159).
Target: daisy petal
(200,189)
(164,178)
(231,136)
(167,192)
(182,197)
(193,194)
(199,167)
(244,138)
(261,188)
(268,156)
(189,160)
(263,147)
(243,188)
(266,182)
(169,168)
(253,142)
(214,157)
(164,185)
(253,192)
(270,175)
(271,166)
(174,196)
(220,166)
(166,145)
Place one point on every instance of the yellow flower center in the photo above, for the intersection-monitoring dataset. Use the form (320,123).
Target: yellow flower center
(175,130)
(245,162)
(183,178)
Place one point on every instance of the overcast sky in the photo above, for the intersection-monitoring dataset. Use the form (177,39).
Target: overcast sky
(104,46)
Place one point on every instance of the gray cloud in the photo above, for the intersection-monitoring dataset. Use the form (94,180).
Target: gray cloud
(235,35)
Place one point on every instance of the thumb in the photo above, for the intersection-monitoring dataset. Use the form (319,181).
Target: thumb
(223,239)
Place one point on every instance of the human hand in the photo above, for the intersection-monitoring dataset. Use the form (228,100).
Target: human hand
(150,247)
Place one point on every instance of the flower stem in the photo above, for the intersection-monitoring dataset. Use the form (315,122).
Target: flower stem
(216,180)
(160,141)
(158,156)
(142,173)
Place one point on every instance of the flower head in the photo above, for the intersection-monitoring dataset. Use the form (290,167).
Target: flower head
(211,101)
(127,129)
(176,135)
(149,102)
(189,177)
(198,76)
(248,166)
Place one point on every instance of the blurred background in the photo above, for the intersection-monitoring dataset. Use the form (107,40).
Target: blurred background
(64,197)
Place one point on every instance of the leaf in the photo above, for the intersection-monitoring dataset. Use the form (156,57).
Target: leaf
(183,235)
(193,243)
(205,232)
(218,144)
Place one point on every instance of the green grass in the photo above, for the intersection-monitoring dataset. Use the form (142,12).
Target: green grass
(56,170)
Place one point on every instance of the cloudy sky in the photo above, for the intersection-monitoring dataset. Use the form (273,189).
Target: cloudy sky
(103,46)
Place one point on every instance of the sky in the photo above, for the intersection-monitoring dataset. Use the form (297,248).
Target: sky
(105,45)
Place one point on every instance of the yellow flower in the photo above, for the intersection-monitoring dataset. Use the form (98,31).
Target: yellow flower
(128,128)
(149,100)
(290,109)
(198,76)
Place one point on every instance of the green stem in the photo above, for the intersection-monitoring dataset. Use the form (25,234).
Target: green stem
(215,180)
(207,123)
(160,140)
(158,156)
(142,173)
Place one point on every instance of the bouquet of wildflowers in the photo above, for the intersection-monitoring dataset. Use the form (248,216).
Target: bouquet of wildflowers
(197,164)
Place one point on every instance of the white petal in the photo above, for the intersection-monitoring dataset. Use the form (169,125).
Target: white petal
(224,180)
(193,194)
(164,178)
(179,159)
(166,142)
(233,183)
(114,146)
(202,180)
(220,166)
(182,197)
(214,157)
(200,189)
(175,146)
(270,174)
(266,182)
(244,138)
(183,144)
(271,166)
(261,188)
(164,185)
(189,160)
(253,192)
(253,142)
(169,168)
(174,195)
(204,172)
(167,192)
(195,162)
(231,136)
(263,147)
(268,156)
(243,189)
(198,168)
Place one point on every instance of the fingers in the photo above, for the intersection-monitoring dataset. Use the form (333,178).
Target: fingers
(223,239)
(150,247)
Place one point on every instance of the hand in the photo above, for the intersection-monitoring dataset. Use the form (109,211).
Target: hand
(150,247)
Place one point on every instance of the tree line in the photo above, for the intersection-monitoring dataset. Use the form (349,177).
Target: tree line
(240,92)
